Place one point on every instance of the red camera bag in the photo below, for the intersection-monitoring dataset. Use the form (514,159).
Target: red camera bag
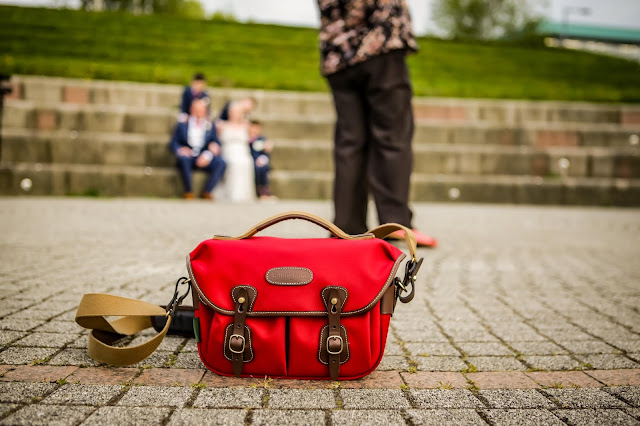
(297,308)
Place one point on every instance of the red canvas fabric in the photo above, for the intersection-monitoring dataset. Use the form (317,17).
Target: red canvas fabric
(285,321)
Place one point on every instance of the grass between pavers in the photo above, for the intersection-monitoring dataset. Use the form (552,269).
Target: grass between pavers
(116,46)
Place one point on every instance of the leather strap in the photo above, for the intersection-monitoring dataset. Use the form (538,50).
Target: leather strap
(238,339)
(387,229)
(334,343)
(136,316)
(333,229)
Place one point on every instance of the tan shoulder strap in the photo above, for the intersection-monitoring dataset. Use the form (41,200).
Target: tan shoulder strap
(136,316)
(387,229)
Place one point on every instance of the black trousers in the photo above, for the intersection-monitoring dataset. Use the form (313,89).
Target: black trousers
(373,133)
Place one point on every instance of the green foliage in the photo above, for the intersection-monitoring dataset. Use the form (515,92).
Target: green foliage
(167,49)
(486,19)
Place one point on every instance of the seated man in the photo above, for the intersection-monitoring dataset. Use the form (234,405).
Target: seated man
(197,90)
(196,146)
(261,153)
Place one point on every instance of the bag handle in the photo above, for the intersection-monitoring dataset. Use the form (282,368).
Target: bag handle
(309,217)
(381,231)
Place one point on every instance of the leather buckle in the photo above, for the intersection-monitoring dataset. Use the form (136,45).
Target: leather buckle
(237,336)
(341,345)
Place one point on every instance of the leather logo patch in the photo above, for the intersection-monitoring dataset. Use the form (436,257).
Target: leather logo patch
(290,275)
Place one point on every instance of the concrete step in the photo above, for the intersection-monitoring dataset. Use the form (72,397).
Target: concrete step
(160,121)
(144,95)
(29,146)
(480,189)
(66,179)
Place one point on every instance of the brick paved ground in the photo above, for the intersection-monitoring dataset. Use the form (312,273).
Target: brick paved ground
(524,315)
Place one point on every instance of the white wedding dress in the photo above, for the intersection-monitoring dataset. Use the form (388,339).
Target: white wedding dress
(239,180)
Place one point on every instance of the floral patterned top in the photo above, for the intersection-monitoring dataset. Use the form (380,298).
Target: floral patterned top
(352,31)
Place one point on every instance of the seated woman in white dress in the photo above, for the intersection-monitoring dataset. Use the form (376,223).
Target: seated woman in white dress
(239,177)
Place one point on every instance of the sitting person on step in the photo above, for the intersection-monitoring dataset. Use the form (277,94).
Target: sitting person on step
(195,144)
(196,90)
(261,153)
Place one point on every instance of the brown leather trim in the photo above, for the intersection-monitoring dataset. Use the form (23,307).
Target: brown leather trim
(248,353)
(205,300)
(388,301)
(322,346)
(289,275)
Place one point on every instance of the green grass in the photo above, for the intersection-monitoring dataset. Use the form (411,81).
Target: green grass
(116,46)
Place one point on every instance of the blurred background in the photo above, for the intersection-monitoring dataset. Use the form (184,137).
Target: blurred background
(516,101)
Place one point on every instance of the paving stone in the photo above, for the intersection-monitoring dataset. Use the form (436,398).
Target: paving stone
(299,398)
(156,359)
(628,393)
(5,368)
(392,363)
(527,417)
(46,340)
(589,347)
(60,327)
(229,398)
(608,361)
(83,395)
(377,379)
(373,398)
(16,355)
(496,363)
(38,373)
(392,348)
(9,336)
(17,392)
(484,349)
(595,417)
(191,346)
(19,324)
(627,345)
(440,363)
(213,380)
(537,348)
(288,417)
(169,377)
(515,398)
(5,408)
(102,376)
(434,380)
(567,379)
(367,417)
(429,349)
(441,398)
(48,415)
(196,416)
(443,417)
(189,360)
(554,363)
(616,377)
(77,357)
(633,412)
(502,380)
(128,416)
(157,396)
(583,398)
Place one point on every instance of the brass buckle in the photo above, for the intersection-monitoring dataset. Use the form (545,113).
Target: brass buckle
(341,345)
(243,343)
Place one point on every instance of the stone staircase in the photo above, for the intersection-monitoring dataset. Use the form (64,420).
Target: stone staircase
(71,136)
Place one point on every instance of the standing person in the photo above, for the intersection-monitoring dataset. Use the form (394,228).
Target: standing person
(195,145)
(261,152)
(196,90)
(363,46)
(245,106)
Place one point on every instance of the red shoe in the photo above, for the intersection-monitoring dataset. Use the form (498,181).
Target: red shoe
(423,240)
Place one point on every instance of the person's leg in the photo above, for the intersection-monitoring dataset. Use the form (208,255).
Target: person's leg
(391,130)
(215,171)
(350,192)
(185,166)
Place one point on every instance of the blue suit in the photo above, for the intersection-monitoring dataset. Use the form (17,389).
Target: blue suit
(186,164)
(188,97)
(261,172)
